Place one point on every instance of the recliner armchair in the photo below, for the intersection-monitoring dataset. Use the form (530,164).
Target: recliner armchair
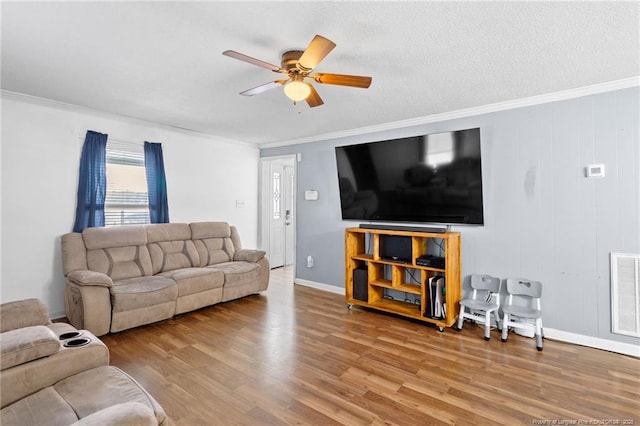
(53,374)
(33,356)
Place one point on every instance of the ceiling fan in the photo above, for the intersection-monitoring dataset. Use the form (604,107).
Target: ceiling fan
(297,65)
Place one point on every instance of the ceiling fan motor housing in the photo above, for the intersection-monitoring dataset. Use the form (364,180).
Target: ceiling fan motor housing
(290,59)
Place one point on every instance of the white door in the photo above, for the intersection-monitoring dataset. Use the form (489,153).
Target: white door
(277,200)
(277,216)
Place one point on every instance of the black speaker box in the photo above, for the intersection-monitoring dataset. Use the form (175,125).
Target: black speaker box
(396,248)
(360,284)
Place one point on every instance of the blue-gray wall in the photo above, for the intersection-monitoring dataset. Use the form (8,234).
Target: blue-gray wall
(543,219)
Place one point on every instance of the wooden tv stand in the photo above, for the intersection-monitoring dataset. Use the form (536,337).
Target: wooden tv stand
(403,287)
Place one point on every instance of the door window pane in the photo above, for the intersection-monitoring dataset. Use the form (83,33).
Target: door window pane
(276,195)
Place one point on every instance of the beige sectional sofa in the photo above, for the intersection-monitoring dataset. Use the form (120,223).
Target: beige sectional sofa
(123,277)
(53,374)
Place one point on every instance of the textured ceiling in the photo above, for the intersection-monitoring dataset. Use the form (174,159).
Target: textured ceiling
(163,62)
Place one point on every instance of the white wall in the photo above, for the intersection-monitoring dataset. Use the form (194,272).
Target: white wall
(41,146)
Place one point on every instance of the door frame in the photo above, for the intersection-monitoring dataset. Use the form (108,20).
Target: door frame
(264,202)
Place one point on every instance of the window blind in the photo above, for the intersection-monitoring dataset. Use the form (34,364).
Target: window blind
(127,199)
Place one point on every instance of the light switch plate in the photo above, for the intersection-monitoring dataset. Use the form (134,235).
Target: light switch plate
(311,195)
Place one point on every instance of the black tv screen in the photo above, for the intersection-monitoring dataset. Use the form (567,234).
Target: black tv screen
(435,178)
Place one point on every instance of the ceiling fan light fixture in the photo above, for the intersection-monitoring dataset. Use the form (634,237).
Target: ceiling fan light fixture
(297,90)
(297,65)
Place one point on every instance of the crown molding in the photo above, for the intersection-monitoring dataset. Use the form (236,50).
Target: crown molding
(469,112)
(35,100)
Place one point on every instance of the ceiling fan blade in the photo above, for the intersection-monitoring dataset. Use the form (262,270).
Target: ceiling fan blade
(263,88)
(317,50)
(249,59)
(313,99)
(343,80)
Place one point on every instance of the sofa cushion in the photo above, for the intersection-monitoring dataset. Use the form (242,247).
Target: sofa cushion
(23,313)
(102,387)
(170,255)
(116,236)
(159,232)
(195,280)
(45,407)
(203,230)
(120,262)
(214,250)
(142,292)
(170,247)
(238,273)
(120,252)
(26,344)
(101,396)
(213,242)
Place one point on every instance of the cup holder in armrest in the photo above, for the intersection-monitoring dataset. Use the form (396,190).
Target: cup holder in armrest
(75,343)
(69,335)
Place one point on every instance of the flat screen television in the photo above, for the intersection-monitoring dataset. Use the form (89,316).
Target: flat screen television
(434,178)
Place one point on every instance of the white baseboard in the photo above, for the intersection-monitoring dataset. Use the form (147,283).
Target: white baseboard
(592,342)
(319,286)
(551,333)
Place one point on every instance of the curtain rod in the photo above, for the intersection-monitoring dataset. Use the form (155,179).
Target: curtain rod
(110,138)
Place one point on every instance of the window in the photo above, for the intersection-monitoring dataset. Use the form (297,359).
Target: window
(127,200)
(439,149)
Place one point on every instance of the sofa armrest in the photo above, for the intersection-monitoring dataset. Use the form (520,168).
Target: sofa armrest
(23,313)
(26,344)
(86,277)
(88,307)
(248,255)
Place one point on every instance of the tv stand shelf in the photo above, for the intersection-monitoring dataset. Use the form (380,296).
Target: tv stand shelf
(406,288)
(401,287)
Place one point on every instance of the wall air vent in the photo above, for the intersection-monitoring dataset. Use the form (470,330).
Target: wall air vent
(625,294)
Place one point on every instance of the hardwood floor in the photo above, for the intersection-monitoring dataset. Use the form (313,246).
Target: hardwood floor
(296,355)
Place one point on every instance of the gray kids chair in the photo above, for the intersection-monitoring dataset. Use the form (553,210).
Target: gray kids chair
(526,314)
(484,300)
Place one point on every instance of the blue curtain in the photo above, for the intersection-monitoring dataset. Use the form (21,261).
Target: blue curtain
(156,183)
(92,182)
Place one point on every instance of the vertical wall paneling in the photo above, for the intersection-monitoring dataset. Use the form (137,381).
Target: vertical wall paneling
(587,279)
(606,121)
(532,212)
(543,218)
(566,211)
